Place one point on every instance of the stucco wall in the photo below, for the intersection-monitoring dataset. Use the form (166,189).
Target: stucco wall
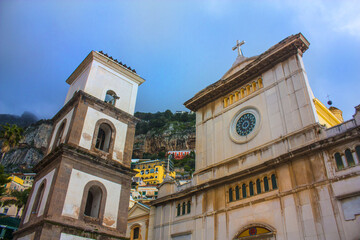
(87,135)
(49,179)
(68,117)
(72,204)
(78,84)
(285,106)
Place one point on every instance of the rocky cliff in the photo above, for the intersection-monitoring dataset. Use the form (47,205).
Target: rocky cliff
(31,149)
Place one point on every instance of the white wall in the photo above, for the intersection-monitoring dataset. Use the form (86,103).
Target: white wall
(78,84)
(49,179)
(97,79)
(65,236)
(68,117)
(87,135)
(75,190)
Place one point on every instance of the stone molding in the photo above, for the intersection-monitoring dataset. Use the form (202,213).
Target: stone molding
(309,149)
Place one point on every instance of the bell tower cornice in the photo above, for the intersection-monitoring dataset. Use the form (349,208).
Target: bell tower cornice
(107,61)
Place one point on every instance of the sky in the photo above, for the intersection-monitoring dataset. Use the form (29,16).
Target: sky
(178,47)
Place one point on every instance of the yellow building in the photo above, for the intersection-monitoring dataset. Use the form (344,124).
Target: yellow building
(152,171)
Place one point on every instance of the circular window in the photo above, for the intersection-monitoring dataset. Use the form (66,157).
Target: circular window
(245,125)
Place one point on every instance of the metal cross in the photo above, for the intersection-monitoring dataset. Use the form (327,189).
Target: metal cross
(237,46)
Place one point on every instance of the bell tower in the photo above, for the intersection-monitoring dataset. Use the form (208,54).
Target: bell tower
(82,186)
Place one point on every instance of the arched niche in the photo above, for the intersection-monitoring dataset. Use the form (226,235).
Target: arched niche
(258,231)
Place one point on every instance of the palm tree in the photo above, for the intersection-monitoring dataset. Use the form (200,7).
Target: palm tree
(19,199)
(11,136)
(4,179)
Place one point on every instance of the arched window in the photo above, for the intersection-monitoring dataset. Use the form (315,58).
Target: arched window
(273,181)
(178,209)
(188,207)
(111,97)
(237,192)
(266,184)
(59,134)
(349,158)
(183,208)
(230,195)
(258,186)
(135,233)
(38,198)
(357,150)
(338,160)
(103,138)
(93,202)
(243,190)
(251,188)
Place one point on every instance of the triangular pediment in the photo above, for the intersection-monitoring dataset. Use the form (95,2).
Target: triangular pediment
(138,210)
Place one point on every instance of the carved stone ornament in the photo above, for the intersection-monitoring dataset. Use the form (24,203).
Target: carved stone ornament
(245,125)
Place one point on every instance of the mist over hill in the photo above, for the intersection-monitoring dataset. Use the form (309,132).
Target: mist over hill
(25,120)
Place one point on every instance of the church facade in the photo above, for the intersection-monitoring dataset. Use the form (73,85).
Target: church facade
(82,186)
(272,161)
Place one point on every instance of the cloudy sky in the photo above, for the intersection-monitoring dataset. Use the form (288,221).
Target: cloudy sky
(179,47)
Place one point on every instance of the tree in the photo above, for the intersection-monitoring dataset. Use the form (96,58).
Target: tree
(19,199)
(4,179)
(11,136)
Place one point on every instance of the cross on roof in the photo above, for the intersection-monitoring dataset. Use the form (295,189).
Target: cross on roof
(237,46)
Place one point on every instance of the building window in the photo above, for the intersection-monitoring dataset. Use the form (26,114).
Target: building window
(93,202)
(243,190)
(152,170)
(230,195)
(183,208)
(258,186)
(188,207)
(38,198)
(357,150)
(135,233)
(59,134)
(103,138)
(339,162)
(251,189)
(349,158)
(111,97)
(178,210)
(273,181)
(237,192)
(6,210)
(266,184)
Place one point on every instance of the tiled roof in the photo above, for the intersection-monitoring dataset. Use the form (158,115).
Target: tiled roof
(120,63)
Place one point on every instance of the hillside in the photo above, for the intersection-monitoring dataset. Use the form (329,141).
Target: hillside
(157,133)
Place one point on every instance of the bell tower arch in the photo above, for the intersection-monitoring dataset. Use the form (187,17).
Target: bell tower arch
(82,185)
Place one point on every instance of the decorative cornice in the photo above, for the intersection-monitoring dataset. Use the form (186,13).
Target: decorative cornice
(81,95)
(294,44)
(107,61)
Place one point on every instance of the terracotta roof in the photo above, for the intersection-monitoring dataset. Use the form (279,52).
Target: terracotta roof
(120,63)
(289,46)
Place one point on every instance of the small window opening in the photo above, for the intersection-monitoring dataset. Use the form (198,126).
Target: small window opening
(230,195)
(188,207)
(266,184)
(111,97)
(38,198)
(243,190)
(349,158)
(136,232)
(251,188)
(103,138)
(339,162)
(183,208)
(93,201)
(237,192)
(258,186)
(273,181)
(357,150)
(59,134)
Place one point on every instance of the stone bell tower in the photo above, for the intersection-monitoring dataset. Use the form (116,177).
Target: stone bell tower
(82,186)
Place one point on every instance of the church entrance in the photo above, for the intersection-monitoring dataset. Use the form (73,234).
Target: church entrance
(255,232)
